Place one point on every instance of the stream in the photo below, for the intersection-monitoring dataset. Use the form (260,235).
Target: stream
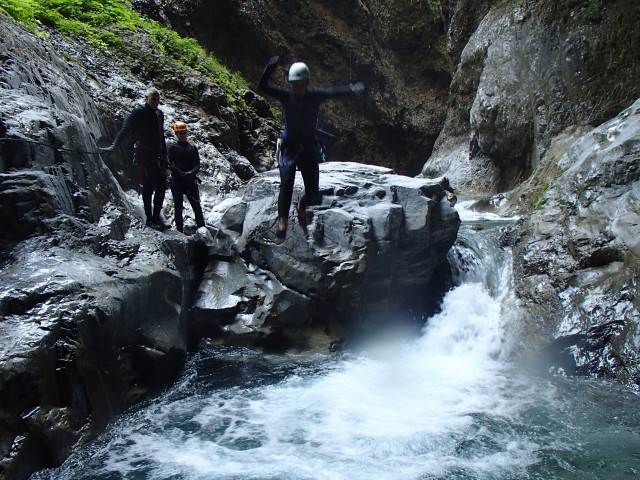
(452,404)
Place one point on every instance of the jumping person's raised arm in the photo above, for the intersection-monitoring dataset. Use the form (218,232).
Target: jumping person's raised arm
(341,91)
(263,83)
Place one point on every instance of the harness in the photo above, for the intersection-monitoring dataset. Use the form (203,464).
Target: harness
(143,151)
(289,151)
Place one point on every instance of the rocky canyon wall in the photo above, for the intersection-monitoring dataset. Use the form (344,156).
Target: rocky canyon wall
(490,94)
(529,71)
(397,48)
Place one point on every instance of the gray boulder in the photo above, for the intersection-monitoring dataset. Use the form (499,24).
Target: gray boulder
(372,254)
(84,336)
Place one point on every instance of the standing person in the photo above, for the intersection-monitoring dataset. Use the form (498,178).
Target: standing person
(299,146)
(147,122)
(184,163)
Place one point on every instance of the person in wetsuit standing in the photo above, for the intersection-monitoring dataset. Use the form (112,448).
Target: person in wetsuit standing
(184,163)
(299,146)
(147,122)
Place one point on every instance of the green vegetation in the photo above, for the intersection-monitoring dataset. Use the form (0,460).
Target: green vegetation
(416,8)
(87,19)
(103,23)
(436,9)
(539,200)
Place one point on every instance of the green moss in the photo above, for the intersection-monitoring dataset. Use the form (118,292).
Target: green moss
(21,10)
(435,7)
(104,23)
(73,18)
(539,199)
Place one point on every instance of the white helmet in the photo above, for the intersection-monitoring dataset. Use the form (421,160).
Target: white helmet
(299,71)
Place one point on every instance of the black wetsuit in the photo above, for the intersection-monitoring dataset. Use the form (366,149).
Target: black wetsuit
(151,155)
(299,145)
(184,163)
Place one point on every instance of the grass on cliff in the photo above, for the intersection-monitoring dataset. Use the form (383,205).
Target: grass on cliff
(101,23)
(539,199)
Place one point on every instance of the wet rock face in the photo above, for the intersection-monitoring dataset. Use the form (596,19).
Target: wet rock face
(482,85)
(90,305)
(97,312)
(374,252)
(578,252)
(526,74)
(476,89)
(84,336)
(47,105)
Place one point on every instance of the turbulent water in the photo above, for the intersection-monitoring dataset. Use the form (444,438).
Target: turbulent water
(448,405)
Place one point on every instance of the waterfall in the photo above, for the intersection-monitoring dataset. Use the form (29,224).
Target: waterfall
(447,405)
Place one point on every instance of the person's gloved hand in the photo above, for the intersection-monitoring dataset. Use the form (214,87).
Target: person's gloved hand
(108,149)
(274,61)
(358,88)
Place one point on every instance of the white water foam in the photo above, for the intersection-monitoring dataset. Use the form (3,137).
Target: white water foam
(467,213)
(407,415)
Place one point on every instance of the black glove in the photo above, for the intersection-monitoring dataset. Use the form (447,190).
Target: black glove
(108,149)
(274,61)
(357,88)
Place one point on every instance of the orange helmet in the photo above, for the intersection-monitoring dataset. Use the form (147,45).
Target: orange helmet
(179,127)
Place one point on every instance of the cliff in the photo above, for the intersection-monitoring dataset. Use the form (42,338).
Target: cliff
(474,90)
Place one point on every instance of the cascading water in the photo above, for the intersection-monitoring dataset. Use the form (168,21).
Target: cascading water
(448,405)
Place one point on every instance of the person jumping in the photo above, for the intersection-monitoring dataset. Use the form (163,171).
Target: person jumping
(298,144)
